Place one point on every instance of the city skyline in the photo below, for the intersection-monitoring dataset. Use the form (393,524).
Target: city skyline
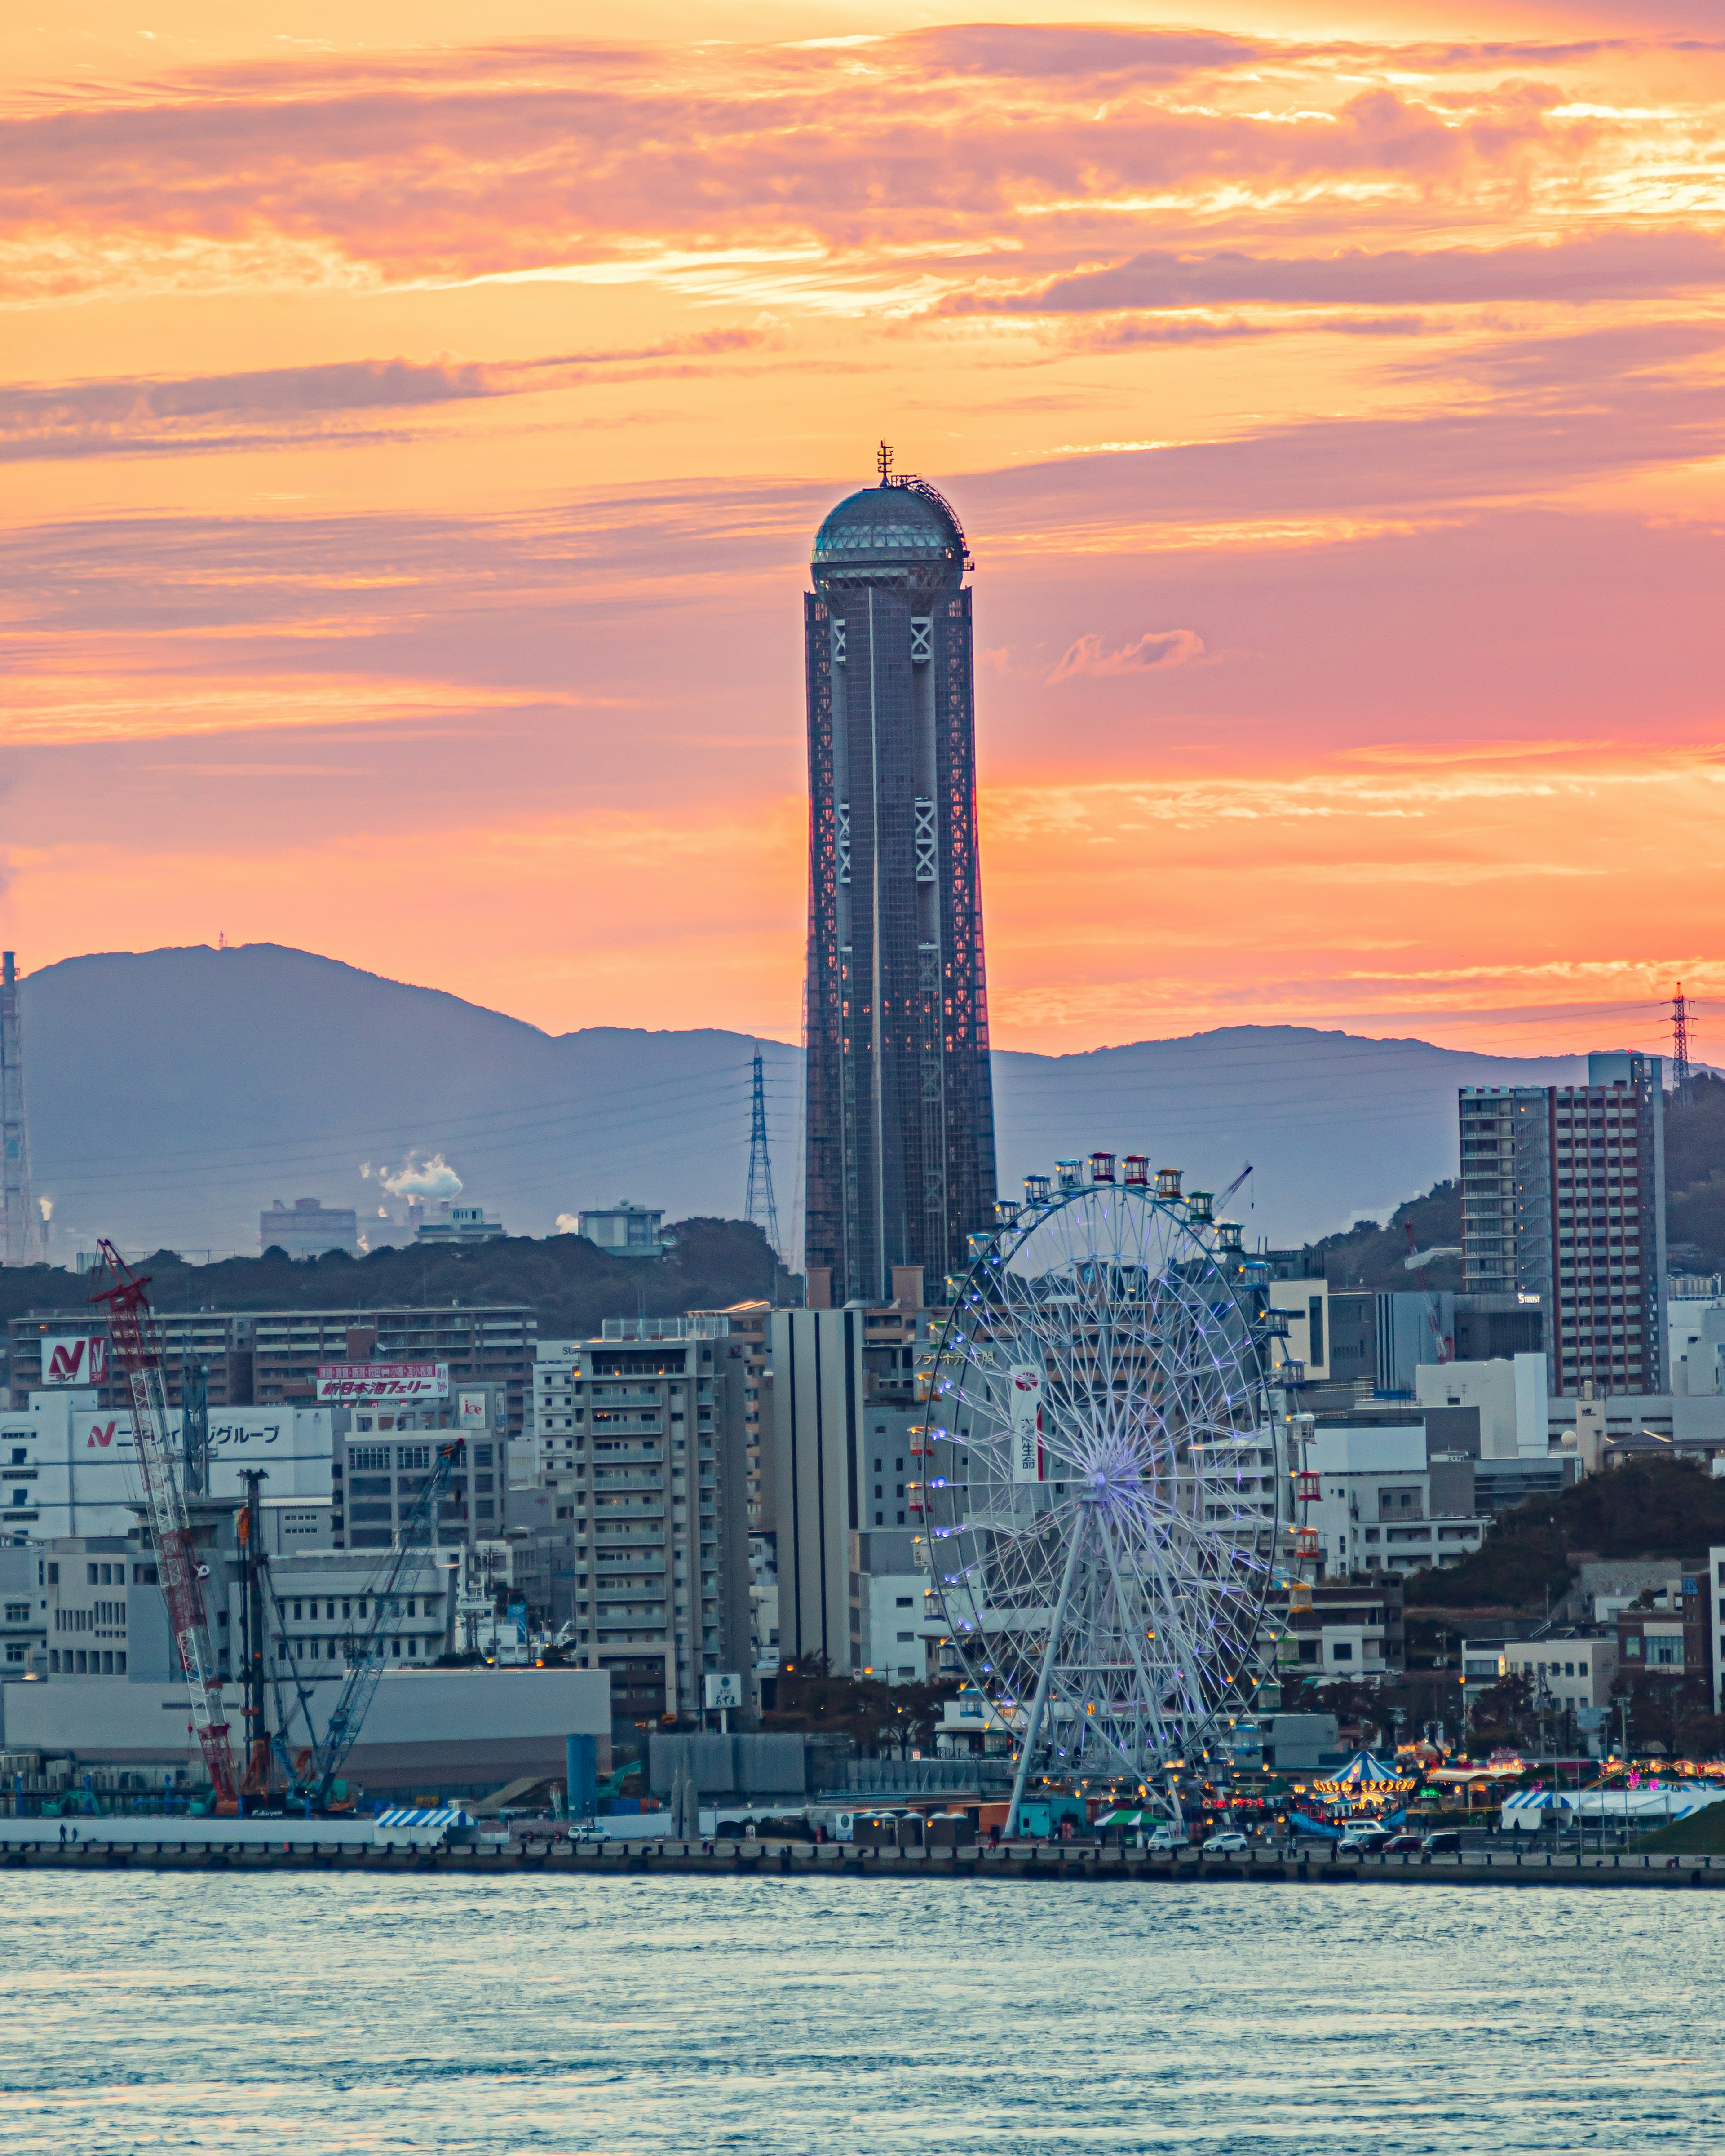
(411,447)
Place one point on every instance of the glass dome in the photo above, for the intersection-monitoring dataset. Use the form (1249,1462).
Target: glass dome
(893,534)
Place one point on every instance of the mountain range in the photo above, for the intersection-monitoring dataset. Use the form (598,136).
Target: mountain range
(173,1094)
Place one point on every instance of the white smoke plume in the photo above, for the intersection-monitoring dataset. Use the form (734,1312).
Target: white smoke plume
(428,1178)
(46,1207)
(567,1224)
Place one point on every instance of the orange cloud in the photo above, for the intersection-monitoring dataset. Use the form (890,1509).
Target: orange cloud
(1155,649)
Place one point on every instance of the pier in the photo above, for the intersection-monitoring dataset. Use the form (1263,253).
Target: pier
(1063,1863)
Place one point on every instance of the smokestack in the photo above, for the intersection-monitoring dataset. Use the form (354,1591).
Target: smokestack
(19,1223)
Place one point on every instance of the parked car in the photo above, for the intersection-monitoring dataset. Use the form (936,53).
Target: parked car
(1226,1844)
(1443,1841)
(1402,1844)
(1363,1841)
(1164,1838)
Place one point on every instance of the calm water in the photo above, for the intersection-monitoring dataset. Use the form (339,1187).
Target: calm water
(598,2018)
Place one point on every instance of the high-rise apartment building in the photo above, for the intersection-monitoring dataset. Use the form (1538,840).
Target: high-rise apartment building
(900,1115)
(640,1439)
(1562,1200)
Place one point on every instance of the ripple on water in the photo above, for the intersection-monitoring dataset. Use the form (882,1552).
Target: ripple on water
(879,2018)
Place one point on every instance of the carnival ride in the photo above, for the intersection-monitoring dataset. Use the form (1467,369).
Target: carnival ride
(1107,1472)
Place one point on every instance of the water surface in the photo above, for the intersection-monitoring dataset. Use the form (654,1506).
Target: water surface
(871,2018)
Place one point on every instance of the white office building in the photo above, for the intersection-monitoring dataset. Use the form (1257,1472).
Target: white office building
(1510,1394)
(1385,1507)
(68,1467)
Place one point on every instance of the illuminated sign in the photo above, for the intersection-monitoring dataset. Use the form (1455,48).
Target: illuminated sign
(382,1381)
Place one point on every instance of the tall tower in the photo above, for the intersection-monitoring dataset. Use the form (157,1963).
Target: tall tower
(901,1122)
(18,1214)
(760,1206)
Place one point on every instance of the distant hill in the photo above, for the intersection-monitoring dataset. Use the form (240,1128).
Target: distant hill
(173,1094)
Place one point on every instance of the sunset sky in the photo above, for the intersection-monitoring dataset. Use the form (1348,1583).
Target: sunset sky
(415,419)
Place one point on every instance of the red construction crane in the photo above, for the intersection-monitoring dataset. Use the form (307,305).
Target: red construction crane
(1446,1343)
(137,1346)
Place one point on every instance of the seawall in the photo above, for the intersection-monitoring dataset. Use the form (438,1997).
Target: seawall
(1059,1863)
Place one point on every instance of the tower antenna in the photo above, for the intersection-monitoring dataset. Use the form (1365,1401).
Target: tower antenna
(883,462)
(1682,1074)
(18,1216)
(760,1198)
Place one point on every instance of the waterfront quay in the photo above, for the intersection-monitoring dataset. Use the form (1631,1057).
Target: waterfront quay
(1061,1862)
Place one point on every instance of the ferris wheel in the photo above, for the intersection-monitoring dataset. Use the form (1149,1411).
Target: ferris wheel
(1105,1485)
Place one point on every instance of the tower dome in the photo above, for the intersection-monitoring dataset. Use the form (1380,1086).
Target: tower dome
(899,533)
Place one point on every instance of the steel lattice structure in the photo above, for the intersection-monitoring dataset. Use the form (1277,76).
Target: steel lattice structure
(1106,1488)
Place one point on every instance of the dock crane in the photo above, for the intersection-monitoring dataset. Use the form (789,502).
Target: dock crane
(138,1347)
(312,1778)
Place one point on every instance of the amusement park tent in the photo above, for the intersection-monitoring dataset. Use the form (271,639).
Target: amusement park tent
(1530,1808)
(1367,1780)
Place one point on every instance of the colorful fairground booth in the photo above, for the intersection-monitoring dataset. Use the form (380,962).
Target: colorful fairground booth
(1366,1784)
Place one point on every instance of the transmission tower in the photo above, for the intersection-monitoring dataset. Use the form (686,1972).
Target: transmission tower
(18,1214)
(1681,1076)
(760,1199)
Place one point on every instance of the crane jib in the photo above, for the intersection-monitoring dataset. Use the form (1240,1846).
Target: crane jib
(138,1351)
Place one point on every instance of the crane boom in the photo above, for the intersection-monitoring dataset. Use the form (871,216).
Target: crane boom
(366,1659)
(137,1344)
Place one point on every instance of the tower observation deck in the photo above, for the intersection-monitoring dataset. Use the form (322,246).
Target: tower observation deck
(901,1115)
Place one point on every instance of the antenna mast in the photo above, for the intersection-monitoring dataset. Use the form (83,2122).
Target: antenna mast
(1682,1076)
(760,1199)
(18,1214)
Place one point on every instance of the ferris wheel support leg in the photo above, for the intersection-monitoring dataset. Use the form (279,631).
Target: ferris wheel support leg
(1038,1704)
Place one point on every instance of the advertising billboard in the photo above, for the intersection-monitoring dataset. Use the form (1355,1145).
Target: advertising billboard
(1024,1408)
(74,1358)
(340,1381)
(471,1410)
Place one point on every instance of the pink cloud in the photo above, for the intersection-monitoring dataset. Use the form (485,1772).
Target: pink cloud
(1155,651)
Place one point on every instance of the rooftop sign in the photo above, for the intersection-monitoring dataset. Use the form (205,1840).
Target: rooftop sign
(382,1381)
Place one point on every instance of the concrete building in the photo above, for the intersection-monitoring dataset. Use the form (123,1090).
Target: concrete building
(842,1397)
(1511,1397)
(1346,1629)
(308,1228)
(430,1735)
(1305,1302)
(901,1122)
(1669,1633)
(1562,1192)
(473,1343)
(71,1467)
(890,1600)
(625,1230)
(460,1226)
(271,1358)
(62,1352)
(1387,1504)
(388,1450)
(23,1632)
(642,1453)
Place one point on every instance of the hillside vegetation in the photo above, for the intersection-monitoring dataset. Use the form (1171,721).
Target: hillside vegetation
(1657,1508)
(571,1284)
